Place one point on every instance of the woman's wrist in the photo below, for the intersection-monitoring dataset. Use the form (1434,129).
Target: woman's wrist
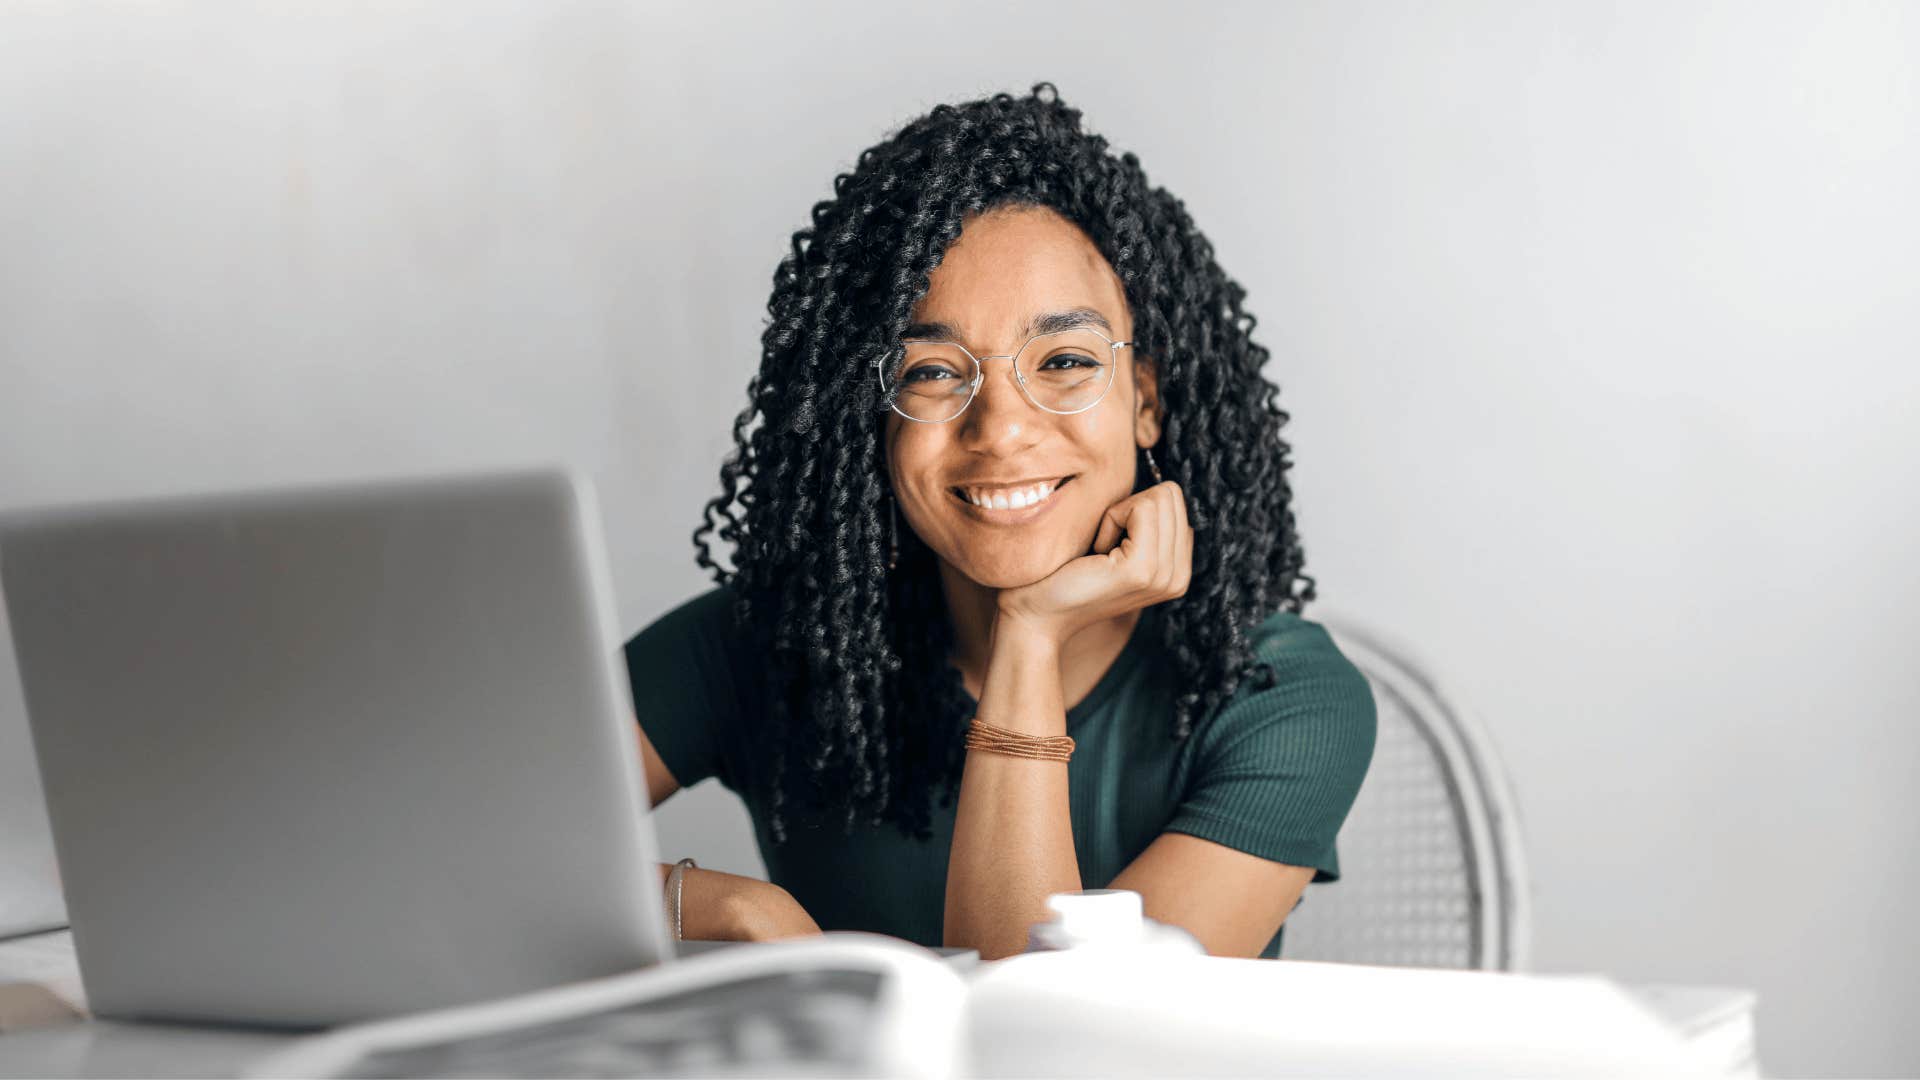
(1025,634)
(1022,640)
(767,913)
(718,906)
(1021,690)
(705,914)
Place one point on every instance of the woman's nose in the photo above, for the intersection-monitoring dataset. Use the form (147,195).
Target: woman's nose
(999,410)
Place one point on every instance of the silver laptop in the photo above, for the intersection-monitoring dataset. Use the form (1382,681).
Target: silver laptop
(324,755)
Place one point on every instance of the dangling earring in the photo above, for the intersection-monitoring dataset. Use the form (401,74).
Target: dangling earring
(893,536)
(1151,467)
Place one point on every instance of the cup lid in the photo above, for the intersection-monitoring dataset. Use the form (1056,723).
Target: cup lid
(1099,914)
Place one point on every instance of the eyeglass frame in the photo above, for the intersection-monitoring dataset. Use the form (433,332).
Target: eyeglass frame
(980,372)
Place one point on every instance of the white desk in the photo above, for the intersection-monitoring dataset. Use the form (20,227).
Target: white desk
(43,1034)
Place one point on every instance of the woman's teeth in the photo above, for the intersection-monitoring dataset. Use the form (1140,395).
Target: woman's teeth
(1015,499)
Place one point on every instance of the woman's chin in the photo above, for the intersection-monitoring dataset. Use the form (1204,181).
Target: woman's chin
(1006,574)
(1009,581)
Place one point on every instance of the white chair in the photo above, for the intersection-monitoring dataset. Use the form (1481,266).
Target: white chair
(1432,871)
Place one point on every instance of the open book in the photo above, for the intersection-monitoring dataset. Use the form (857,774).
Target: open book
(849,1004)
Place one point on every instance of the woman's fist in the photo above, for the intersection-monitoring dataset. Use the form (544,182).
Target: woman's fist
(1142,555)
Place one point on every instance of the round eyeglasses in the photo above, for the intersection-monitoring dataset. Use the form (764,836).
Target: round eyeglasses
(1064,372)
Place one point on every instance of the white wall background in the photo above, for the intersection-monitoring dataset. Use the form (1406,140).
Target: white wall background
(1597,323)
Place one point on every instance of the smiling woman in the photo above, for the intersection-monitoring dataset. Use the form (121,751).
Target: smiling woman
(1014,604)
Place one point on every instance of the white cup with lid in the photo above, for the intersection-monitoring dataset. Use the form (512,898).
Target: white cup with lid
(1104,918)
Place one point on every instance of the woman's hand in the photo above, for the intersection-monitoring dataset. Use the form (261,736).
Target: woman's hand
(1143,554)
(717,906)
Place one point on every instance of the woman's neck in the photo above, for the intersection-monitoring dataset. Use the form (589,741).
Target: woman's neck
(1084,658)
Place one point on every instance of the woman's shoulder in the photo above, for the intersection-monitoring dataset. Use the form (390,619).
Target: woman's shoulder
(703,623)
(711,608)
(697,644)
(698,639)
(1285,632)
(1291,640)
(691,673)
(1314,684)
(1277,768)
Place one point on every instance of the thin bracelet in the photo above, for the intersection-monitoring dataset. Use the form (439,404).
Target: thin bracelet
(998,740)
(675,879)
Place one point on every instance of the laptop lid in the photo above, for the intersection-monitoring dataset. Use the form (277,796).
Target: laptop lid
(323,755)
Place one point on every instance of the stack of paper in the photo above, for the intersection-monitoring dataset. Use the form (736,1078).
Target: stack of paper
(1112,1013)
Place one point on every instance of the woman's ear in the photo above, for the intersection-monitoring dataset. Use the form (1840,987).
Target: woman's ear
(1147,412)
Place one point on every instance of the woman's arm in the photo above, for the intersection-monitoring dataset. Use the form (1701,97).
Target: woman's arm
(1013,831)
(1231,901)
(717,906)
(660,782)
(1012,836)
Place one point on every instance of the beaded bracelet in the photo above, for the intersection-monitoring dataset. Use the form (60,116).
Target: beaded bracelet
(998,740)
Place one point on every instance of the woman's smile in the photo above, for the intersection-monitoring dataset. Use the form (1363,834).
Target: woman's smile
(1009,504)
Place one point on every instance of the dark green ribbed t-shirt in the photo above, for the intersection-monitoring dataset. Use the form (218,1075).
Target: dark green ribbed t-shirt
(1273,772)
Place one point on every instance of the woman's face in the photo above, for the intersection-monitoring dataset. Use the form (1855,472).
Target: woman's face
(1010,268)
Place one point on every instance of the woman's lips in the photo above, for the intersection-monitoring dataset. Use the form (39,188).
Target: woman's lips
(1010,516)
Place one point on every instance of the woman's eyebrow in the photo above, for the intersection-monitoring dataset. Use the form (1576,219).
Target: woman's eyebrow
(931,331)
(1053,322)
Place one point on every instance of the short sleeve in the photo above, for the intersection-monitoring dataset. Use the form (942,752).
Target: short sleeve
(1276,770)
(687,683)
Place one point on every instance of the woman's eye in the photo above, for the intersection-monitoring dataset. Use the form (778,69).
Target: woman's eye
(925,374)
(1071,360)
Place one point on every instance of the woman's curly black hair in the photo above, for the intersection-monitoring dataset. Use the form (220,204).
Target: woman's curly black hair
(866,710)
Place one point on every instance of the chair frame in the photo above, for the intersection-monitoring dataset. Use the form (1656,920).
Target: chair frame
(1477,785)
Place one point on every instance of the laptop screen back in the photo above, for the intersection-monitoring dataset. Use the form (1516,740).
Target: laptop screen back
(331,754)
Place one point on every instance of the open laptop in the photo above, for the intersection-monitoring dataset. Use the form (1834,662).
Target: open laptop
(323,755)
